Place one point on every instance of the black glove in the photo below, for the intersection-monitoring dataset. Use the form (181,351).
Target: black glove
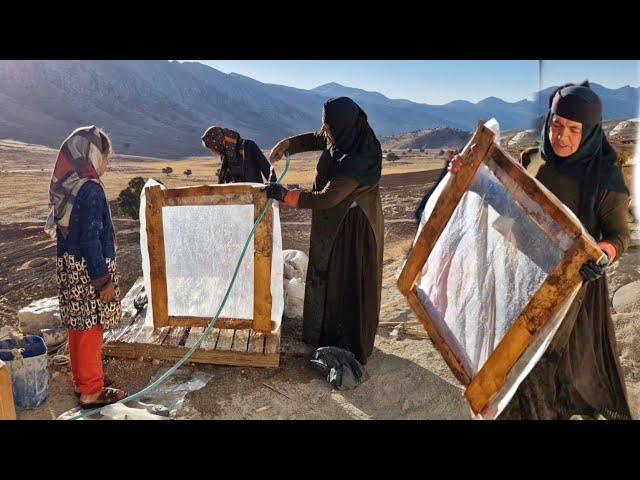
(591,271)
(341,367)
(275,191)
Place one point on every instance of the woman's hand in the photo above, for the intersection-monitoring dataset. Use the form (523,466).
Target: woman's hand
(275,191)
(278,151)
(591,270)
(108,293)
(456,164)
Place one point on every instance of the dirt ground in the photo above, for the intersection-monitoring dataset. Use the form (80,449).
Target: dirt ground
(407,378)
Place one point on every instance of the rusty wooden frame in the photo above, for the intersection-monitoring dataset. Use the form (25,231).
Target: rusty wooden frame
(481,149)
(231,194)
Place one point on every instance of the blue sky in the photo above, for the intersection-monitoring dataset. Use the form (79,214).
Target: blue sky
(435,81)
(610,73)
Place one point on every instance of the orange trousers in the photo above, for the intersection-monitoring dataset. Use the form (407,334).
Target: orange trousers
(85,351)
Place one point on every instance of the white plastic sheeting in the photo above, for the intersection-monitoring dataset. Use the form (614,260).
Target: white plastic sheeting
(487,264)
(295,274)
(202,247)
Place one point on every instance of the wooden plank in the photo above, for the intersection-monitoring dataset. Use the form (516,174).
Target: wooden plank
(135,330)
(209,200)
(240,341)
(225,340)
(547,224)
(147,335)
(553,292)
(473,154)
(208,190)
(155,241)
(272,343)
(536,191)
(447,353)
(215,357)
(230,323)
(263,248)
(194,335)
(175,336)
(211,342)
(256,342)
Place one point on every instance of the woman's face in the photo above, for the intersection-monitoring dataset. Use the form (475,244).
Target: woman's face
(565,136)
(327,131)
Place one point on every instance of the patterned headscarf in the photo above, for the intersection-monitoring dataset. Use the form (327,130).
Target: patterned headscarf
(230,146)
(78,162)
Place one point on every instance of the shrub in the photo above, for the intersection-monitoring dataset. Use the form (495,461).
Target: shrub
(129,198)
(167,170)
(187,172)
(391,157)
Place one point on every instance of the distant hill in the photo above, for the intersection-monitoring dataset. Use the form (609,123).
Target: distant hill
(443,137)
(161,108)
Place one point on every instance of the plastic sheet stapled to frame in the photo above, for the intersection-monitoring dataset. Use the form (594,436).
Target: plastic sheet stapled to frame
(202,247)
(489,261)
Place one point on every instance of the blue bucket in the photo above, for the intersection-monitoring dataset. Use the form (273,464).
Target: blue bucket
(27,363)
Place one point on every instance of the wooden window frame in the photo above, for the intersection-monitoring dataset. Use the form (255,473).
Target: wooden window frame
(229,194)
(481,149)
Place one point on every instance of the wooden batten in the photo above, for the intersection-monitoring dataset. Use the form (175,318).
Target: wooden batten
(232,323)
(207,200)
(473,154)
(558,285)
(447,353)
(209,190)
(263,247)
(155,241)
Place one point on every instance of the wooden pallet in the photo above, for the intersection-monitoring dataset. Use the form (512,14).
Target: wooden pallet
(223,346)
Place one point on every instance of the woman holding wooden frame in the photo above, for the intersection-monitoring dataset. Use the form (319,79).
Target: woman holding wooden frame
(580,372)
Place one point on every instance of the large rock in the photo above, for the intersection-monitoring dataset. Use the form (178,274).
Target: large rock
(41,314)
(626,131)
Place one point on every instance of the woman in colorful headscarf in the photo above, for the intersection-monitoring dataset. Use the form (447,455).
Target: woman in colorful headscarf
(344,278)
(88,290)
(242,159)
(580,372)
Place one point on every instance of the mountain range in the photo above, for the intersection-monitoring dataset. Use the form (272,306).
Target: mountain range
(161,108)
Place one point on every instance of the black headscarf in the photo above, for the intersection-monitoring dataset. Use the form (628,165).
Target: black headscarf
(594,163)
(230,146)
(356,152)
